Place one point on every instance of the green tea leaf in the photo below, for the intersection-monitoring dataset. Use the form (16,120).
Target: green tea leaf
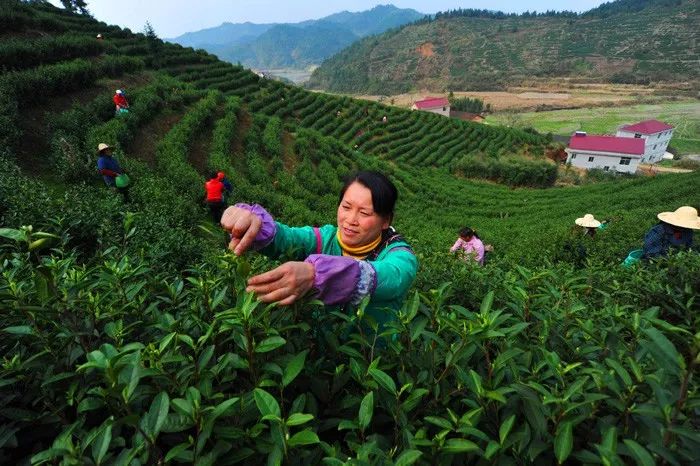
(459,445)
(505,428)
(183,407)
(101,443)
(491,449)
(157,414)
(266,403)
(663,351)
(563,442)
(269,344)
(178,452)
(19,330)
(297,419)
(639,453)
(383,379)
(222,407)
(305,437)
(366,410)
(486,303)
(408,457)
(440,422)
(293,368)
(11,233)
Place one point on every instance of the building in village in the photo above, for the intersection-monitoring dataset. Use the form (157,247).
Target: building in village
(656,136)
(610,153)
(439,105)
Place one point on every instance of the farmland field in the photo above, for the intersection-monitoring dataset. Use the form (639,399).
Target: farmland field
(685,116)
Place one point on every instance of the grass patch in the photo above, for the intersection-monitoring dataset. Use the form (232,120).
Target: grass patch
(685,116)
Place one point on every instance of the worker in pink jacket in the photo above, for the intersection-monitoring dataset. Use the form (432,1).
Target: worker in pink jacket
(469,246)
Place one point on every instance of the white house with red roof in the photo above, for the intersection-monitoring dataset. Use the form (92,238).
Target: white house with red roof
(610,153)
(656,135)
(439,105)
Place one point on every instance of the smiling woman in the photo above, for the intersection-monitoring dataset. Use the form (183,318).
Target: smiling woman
(360,256)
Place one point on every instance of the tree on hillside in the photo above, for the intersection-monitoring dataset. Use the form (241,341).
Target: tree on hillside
(77,6)
(151,37)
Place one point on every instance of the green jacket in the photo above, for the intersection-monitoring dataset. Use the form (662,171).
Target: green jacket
(395,266)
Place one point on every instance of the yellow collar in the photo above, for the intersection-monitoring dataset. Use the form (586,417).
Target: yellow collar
(359,252)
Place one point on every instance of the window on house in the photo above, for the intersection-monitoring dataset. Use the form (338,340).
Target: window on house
(637,135)
(444,109)
(654,146)
(573,156)
(606,168)
(590,159)
(625,160)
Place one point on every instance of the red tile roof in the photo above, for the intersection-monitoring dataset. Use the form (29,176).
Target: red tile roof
(432,102)
(647,127)
(627,146)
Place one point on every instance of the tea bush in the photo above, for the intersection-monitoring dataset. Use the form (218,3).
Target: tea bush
(117,362)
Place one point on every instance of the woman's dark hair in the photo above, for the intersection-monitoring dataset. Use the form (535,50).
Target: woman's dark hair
(212,175)
(384,193)
(466,232)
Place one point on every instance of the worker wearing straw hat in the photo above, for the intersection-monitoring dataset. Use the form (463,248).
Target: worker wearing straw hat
(675,230)
(110,169)
(589,222)
(575,247)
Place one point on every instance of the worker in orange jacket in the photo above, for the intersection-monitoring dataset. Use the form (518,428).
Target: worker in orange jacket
(215,188)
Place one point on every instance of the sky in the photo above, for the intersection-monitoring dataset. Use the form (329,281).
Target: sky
(171,18)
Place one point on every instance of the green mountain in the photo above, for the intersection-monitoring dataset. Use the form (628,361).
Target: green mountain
(295,45)
(128,336)
(285,46)
(624,41)
(225,34)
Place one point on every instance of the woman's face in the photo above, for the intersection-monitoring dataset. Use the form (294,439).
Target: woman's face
(357,222)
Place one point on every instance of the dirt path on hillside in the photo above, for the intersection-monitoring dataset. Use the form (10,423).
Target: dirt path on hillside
(143,146)
(198,155)
(245,121)
(288,151)
(654,169)
(34,148)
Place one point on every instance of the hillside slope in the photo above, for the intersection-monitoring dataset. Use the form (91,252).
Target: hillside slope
(480,51)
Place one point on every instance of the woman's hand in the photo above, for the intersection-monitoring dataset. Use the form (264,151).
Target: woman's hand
(243,226)
(285,284)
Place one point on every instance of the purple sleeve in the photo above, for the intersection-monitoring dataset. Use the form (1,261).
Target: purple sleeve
(267,230)
(336,277)
(457,245)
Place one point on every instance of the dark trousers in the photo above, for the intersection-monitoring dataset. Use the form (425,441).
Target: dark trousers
(124,192)
(217,210)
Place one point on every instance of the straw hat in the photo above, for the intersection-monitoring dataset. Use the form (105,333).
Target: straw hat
(102,146)
(587,221)
(684,217)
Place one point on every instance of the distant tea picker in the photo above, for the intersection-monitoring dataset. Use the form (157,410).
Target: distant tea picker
(111,171)
(120,102)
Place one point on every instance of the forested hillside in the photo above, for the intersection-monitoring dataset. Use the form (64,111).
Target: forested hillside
(635,41)
(128,336)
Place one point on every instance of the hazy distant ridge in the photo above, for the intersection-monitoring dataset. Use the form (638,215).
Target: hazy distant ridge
(295,45)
